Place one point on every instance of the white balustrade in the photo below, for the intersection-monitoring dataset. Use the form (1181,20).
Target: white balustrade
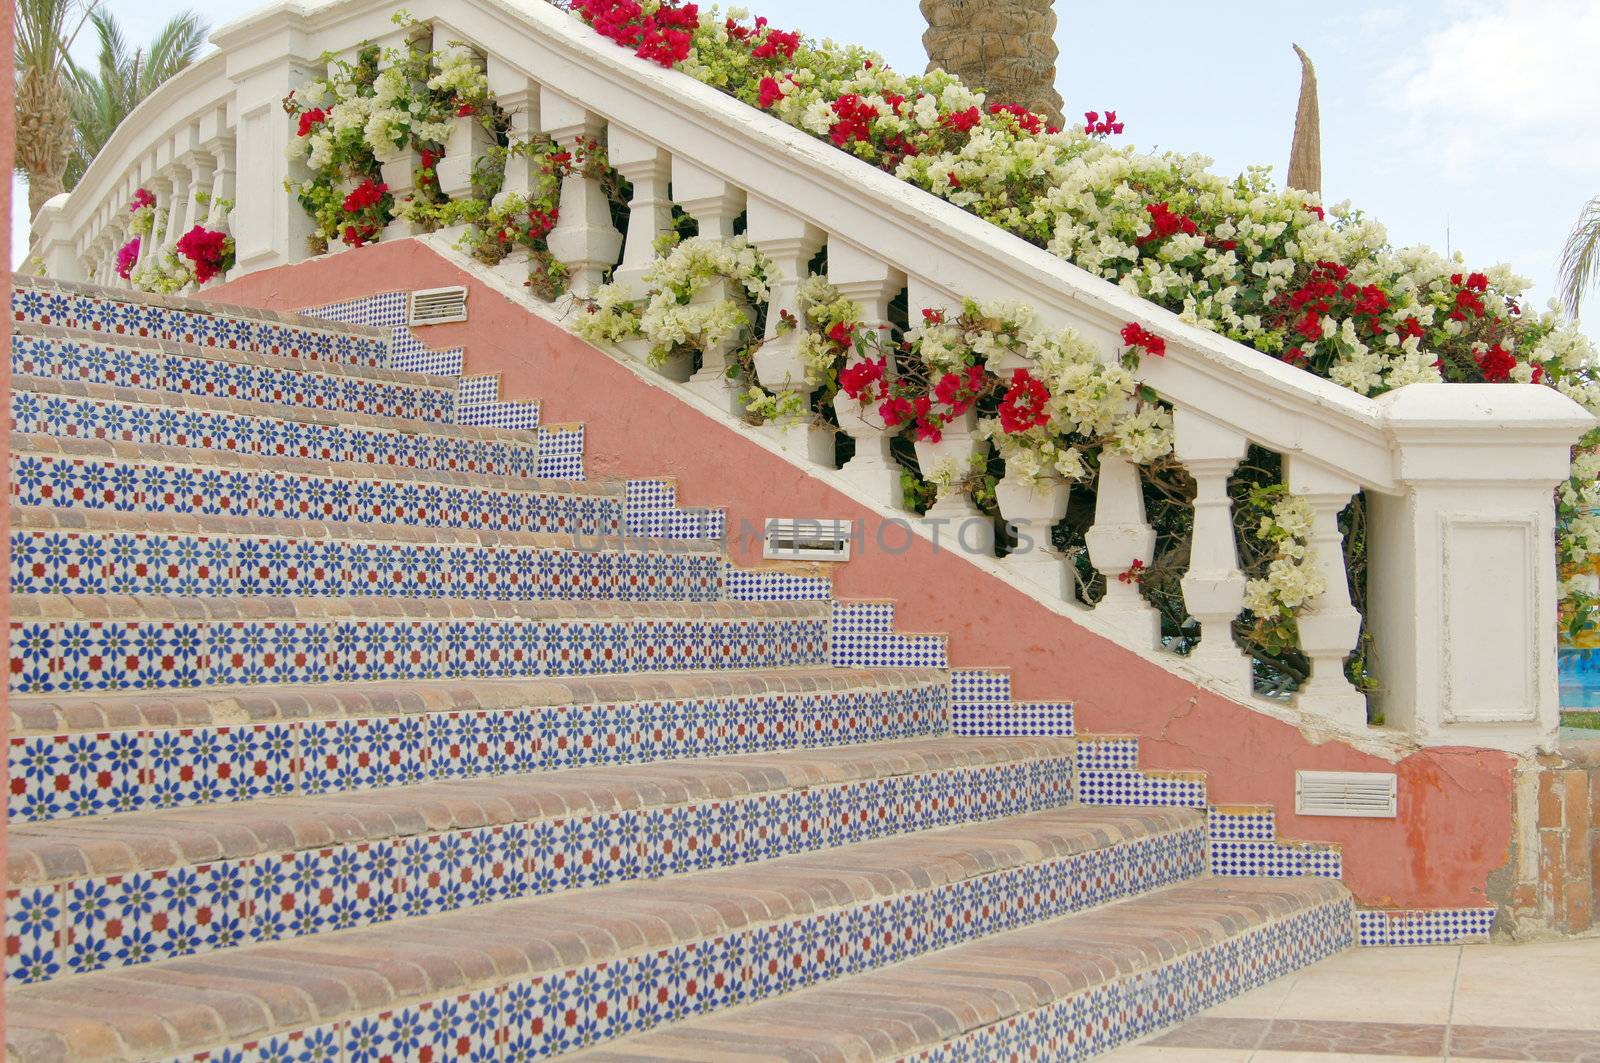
(1329,624)
(954,520)
(584,237)
(1461,584)
(872,284)
(648,168)
(1213,587)
(1120,544)
(518,96)
(790,243)
(714,204)
(468,142)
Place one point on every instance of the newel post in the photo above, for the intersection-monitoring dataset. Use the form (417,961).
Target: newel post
(52,242)
(267,59)
(1462,587)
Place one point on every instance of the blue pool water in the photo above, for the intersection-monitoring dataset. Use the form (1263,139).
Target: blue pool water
(1580,678)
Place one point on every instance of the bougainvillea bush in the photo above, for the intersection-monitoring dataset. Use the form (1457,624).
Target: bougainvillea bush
(392,103)
(1319,287)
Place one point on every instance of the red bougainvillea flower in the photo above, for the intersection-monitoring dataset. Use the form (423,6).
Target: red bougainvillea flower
(127,257)
(959,390)
(1135,573)
(1496,364)
(664,37)
(141,199)
(309,120)
(1026,120)
(207,249)
(855,117)
(368,193)
(1294,356)
(1136,335)
(1318,211)
(895,411)
(1164,223)
(776,43)
(770,92)
(465,109)
(1096,126)
(842,334)
(962,121)
(860,381)
(1023,406)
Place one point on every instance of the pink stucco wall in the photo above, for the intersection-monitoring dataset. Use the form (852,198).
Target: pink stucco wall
(1454,828)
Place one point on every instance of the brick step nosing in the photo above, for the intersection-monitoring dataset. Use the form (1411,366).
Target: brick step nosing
(1088,858)
(60,850)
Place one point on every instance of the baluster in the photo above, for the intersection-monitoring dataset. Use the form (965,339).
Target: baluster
(161,188)
(1213,588)
(202,181)
(177,213)
(222,179)
(519,98)
(1329,624)
(872,284)
(469,141)
(714,204)
(790,242)
(648,168)
(1120,536)
(584,238)
(953,520)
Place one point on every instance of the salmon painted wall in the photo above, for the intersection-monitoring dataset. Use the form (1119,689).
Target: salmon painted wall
(1455,825)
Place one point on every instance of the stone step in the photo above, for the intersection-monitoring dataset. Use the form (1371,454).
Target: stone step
(121,312)
(41,406)
(126,477)
(1065,989)
(87,755)
(140,886)
(81,643)
(700,944)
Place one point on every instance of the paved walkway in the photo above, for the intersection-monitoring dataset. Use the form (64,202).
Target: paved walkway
(1401,1005)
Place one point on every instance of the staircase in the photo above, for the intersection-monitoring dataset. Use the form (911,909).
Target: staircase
(342,731)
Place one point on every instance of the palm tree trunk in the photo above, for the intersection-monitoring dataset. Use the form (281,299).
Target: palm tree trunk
(1005,47)
(44,135)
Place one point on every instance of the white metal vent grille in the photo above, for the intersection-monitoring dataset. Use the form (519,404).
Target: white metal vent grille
(807,540)
(1371,794)
(435,306)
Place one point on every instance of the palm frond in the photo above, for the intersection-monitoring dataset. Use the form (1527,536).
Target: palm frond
(174,47)
(1580,259)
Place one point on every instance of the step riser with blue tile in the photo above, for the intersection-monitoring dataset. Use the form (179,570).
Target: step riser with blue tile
(88,774)
(220,566)
(212,327)
(178,373)
(82,656)
(71,417)
(91,924)
(135,487)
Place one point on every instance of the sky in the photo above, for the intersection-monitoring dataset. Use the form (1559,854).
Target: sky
(1461,124)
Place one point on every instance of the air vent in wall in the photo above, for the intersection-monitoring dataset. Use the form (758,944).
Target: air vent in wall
(1371,794)
(435,306)
(807,540)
